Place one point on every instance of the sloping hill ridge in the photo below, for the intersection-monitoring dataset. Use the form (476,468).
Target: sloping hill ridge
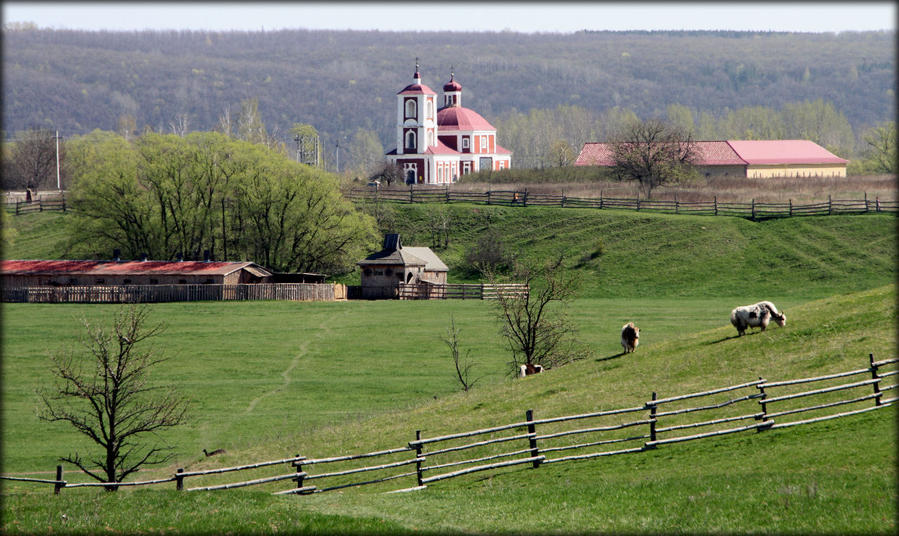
(626,254)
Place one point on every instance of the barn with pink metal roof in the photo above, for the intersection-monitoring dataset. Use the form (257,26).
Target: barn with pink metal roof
(745,158)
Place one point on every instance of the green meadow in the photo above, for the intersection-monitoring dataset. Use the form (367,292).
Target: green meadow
(268,380)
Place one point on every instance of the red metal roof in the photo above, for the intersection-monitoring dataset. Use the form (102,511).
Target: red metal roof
(17,267)
(731,153)
(417,89)
(452,85)
(761,152)
(441,148)
(459,118)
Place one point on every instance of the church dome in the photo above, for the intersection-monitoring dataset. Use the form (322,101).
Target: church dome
(452,85)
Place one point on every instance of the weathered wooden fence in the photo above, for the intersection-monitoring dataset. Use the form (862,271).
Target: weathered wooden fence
(757,406)
(751,210)
(174,293)
(473,291)
(18,207)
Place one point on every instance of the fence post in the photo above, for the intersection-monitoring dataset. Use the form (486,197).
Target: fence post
(866,201)
(876,205)
(179,480)
(829,205)
(446,191)
(676,204)
(299,465)
(58,486)
(716,205)
(17,207)
(600,198)
(753,209)
(791,208)
(563,201)
(764,395)
(418,455)
(488,196)
(40,205)
(411,194)
(524,200)
(64,203)
(652,418)
(532,441)
(874,376)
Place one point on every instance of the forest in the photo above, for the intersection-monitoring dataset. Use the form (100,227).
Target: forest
(546,93)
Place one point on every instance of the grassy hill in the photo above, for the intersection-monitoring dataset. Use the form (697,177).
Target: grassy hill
(269,379)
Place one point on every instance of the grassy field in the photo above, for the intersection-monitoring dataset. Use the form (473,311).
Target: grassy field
(270,379)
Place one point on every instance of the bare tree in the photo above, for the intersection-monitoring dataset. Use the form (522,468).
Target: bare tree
(104,394)
(463,365)
(653,153)
(34,156)
(538,333)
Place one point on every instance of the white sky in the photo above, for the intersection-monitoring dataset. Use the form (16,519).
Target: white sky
(453,15)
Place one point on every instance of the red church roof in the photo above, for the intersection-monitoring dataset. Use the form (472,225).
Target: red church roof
(452,85)
(417,89)
(459,118)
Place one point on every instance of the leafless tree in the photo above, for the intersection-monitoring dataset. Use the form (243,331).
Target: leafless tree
(104,393)
(34,156)
(537,330)
(463,365)
(653,153)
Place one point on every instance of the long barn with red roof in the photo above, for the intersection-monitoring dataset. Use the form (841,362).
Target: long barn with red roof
(437,146)
(745,158)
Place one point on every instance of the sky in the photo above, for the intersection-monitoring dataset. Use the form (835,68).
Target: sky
(526,17)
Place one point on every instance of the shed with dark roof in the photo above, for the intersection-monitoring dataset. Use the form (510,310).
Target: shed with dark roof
(394,265)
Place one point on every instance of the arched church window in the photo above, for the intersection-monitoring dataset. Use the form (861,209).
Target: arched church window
(430,109)
(410,140)
(410,109)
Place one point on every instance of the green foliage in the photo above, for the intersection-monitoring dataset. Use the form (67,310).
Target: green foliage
(165,196)
(879,155)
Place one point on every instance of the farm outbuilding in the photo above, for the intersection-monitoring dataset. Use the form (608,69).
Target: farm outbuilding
(45,273)
(745,158)
(394,265)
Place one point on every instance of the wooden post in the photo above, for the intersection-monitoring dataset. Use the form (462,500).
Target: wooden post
(753,208)
(58,486)
(446,191)
(866,201)
(488,196)
(761,388)
(600,199)
(532,441)
(179,480)
(716,205)
(875,376)
(300,475)
(563,201)
(876,205)
(411,194)
(17,207)
(418,455)
(652,418)
(676,207)
(524,200)
(40,205)
(829,205)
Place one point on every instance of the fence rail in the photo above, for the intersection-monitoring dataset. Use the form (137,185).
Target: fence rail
(752,210)
(174,293)
(473,291)
(521,441)
(19,207)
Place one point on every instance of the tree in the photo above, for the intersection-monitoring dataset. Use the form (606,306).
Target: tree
(104,393)
(34,156)
(366,152)
(881,149)
(463,365)
(653,153)
(562,154)
(538,333)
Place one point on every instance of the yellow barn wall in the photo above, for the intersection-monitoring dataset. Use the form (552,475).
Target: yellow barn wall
(805,170)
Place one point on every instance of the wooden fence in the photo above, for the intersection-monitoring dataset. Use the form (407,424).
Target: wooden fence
(174,293)
(754,406)
(18,207)
(752,210)
(474,291)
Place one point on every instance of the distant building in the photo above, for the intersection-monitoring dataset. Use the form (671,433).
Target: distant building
(745,158)
(394,265)
(437,146)
(39,273)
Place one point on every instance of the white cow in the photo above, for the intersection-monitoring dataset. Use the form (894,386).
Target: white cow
(756,316)
(630,337)
(527,369)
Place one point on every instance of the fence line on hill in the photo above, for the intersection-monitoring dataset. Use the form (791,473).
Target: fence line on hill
(55,204)
(174,293)
(425,290)
(623,430)
(753,210)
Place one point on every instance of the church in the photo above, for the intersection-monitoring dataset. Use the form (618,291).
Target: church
(437,146)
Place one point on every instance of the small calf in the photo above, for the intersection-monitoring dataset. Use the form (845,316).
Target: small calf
(630,337)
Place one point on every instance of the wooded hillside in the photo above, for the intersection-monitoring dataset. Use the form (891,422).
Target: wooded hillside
(342,81)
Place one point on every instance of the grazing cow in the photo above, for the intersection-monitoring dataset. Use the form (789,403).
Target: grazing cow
(527,369)
(214,452)
(630,337)
(757,315)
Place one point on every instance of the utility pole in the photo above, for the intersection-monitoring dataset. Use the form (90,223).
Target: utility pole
(58,188)
(338,156)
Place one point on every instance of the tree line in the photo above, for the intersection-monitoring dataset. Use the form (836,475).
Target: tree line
(344,81)
(171,197)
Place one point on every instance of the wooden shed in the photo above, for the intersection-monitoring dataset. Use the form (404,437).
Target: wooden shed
(384,271)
